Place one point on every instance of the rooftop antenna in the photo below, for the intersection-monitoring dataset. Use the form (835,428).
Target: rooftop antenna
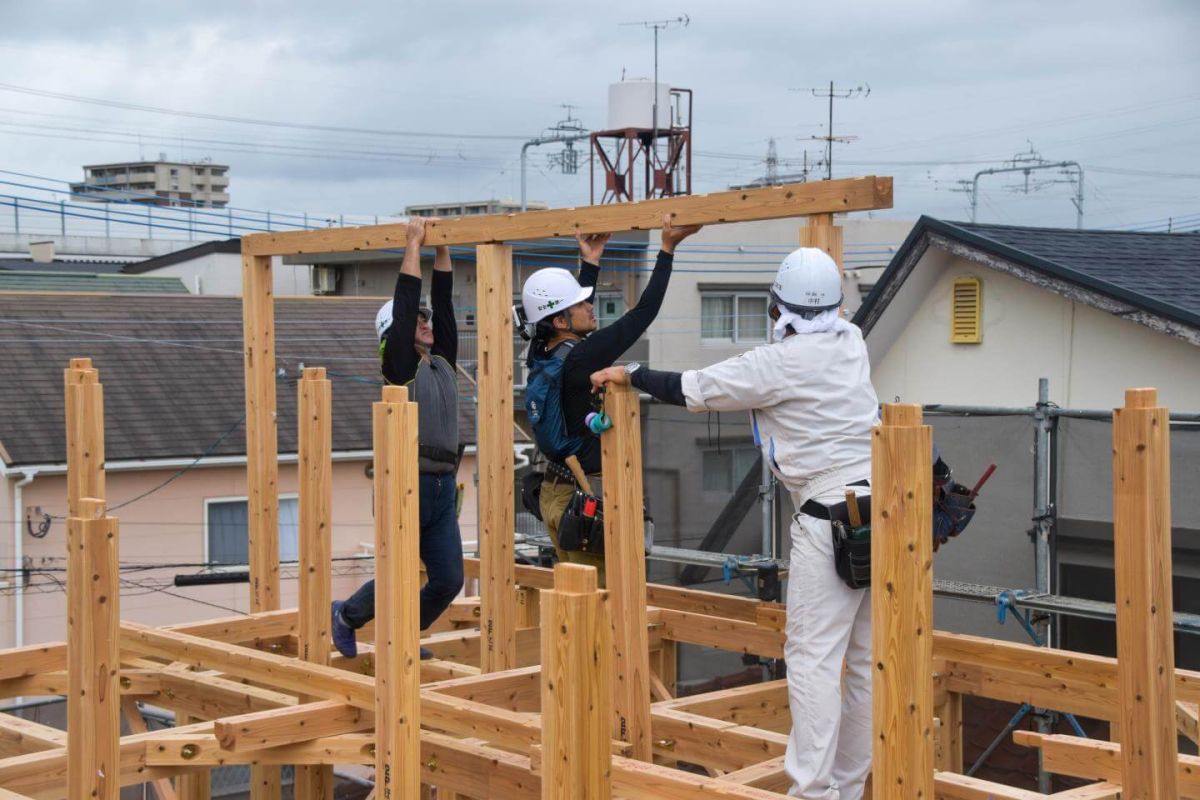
(863,90)
(658,25)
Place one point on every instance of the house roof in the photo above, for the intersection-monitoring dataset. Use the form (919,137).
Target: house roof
(172,371)
(21,281)
(1155,273)
(186,254)
(59,265)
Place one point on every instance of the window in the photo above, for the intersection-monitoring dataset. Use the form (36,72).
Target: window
(725,469)
(227,530)
(734,317)
(609,308)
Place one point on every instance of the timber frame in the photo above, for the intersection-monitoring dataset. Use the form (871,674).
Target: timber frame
(544,685)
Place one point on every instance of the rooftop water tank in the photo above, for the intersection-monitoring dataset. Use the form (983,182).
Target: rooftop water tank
(631,105)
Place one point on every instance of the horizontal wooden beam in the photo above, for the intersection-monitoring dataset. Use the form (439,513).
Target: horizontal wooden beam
(773,202)
(712,743)
(641,780)
(19,736)
(759,705)
(265,729)
(203,750)
(724,634)
(1097,760)
(951,786)
(769,775)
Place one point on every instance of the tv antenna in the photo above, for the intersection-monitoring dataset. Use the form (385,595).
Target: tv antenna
(682,21)
(832,93)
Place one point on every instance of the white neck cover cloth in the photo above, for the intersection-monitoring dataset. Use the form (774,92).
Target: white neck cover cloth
(825,322)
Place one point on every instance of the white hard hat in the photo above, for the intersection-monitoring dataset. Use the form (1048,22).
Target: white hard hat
(808,281)
(549,291)
(383,318)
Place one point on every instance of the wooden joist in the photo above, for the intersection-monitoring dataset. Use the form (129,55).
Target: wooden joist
(774,202)
(264,729)
(1097,760)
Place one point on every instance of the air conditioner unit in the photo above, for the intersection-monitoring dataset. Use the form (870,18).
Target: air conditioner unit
(324,280)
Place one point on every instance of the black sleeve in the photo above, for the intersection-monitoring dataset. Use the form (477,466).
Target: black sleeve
(400,359)
(660,384)
(445,327)
(602,348)
(589,274)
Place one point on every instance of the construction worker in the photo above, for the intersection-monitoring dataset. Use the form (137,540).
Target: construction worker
(418,348)
(812,408)
(558,307)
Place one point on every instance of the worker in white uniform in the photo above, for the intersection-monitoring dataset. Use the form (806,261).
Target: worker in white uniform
(813,408)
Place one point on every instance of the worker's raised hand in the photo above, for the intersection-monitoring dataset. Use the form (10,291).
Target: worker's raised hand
(415,232)
(673,234)
(614,375)
(591,246)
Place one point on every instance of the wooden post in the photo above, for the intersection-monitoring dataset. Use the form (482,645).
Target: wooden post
(497,570)
(576,688)
(820,232)
(262,461)
(84,401)
(195,785)
(902,604)
(1142,557)
(314,413)
(397,598)
(93,656)
(949,753)
(625,567)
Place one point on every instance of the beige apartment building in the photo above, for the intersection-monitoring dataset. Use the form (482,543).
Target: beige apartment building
(192,184)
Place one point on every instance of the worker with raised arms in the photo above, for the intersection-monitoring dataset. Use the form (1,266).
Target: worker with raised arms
(418,348)
(566,348)
(813,408)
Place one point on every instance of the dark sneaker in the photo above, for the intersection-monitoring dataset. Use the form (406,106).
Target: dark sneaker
(342,634)
(426,654)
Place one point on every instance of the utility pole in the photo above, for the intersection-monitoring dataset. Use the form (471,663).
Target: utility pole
(1031,161)
(832,94)
(683,20)
(565,131)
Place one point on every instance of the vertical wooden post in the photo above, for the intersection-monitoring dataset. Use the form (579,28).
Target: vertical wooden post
(314,414)
(497,570)
(262,461)
(902,604)
(84,401)
(820,232)
(625,567)
(93,657)
(397,598)
(576,688)
(196,785)
(948,709)
(1145,638)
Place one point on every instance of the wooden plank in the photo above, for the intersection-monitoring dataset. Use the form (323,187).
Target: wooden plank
(759,705)
(93,701)
(84,405)
(1094,791)
(262,445)
(625,567)
(712,743)
(725,634)
(198,749)
(902,604)
(276,727)
(397,597)
(497,582)
(515,690)
(769,775)
(948,709)
(315,469)
(19,736)
(509,730)
(638,780)
(950,786)
(576,683)
(775,202)
(1096,760)
(1142,562)
(207,696)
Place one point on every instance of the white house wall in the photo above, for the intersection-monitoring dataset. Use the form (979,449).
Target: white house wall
(221,274)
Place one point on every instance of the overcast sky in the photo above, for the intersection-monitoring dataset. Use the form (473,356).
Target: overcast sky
(955,87)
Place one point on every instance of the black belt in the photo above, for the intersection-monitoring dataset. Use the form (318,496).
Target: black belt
(560,473)
(836,511)
(439,454)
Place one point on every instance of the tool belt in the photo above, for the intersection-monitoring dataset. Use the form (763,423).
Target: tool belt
(581,527)
(851,545)
(559,473)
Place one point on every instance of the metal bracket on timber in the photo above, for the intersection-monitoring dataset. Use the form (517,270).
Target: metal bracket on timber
(773,202)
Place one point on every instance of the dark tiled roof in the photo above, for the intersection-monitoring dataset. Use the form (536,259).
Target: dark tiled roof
(19,281)
(63,265)
(1156,272)
(187,254)
(171,367)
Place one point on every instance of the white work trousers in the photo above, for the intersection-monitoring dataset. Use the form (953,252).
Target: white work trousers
(829,751)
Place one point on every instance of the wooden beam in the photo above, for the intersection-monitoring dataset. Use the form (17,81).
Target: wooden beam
(638,780)
(725,634)
(84,403)
(262,445)
(397,596)
(1142,561)
(902,604)
(314,412)
(207,696)
(712,743)
(769,775)
(948,709)
(951,786)
(759,705)
(19,736)
(1096,760)
(625,567)
(264,729)
(576,687)
(137,724)
(93,701)
(774,202)
(203,750)
(515,690)
(196,784)
(497,583)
